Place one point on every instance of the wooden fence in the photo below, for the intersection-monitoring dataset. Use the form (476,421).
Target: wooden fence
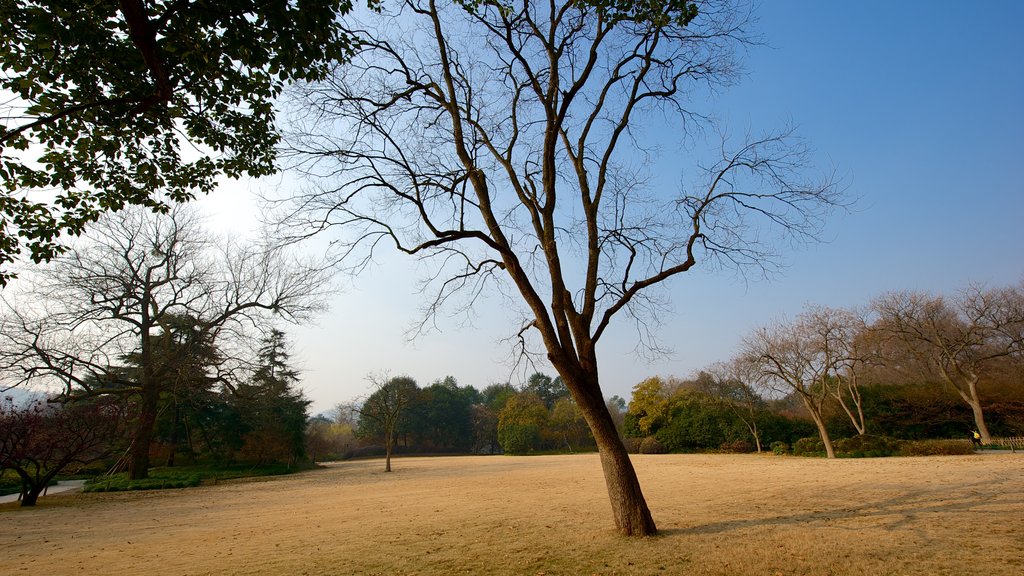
(1013,443)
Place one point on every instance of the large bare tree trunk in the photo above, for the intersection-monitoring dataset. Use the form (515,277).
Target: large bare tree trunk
(629,508)
(138,465)
(979,420)
(31,496)
(822,430)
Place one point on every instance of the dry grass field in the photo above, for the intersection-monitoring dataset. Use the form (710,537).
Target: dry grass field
(718,514)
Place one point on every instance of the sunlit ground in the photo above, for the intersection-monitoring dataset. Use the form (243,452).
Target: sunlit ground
(718,514)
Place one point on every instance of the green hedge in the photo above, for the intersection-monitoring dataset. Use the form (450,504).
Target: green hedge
(869,446)
(184,477)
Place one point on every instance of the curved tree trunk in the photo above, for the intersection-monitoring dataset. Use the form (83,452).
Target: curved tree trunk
(979,421)
(822,431)
(629,508)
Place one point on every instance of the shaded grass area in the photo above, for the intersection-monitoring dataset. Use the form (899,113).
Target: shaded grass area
(185,477)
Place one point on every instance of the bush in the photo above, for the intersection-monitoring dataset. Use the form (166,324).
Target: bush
(866,446)
(780,448)
(632,444)
(10,483)
(183,477)
(737,447)
(936,447)
(120,483)
(518,439)
(810,446)
(650,445)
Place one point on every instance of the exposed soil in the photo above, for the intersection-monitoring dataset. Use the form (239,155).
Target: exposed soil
(718,514)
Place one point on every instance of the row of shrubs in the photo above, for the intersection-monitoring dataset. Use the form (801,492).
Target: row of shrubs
(866,446)
(183,477)
(651,445)
(869,446)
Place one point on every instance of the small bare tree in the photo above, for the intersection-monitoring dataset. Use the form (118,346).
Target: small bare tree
(853,355)
(964,339)
(381,413)
(120,292)
(803,357)
(41,440)
(506,141)
(732,384)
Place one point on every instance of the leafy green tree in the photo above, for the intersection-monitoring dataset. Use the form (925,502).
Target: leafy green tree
(272,408)
(496,395)
(648,406)
(109,96)
(566,423)
(520,423)
(697,421)
(327,439)
(186,360)
(441,417)
(549,390)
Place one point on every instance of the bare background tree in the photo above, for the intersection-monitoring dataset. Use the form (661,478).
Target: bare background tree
(507,143)
(41,440)
(130,308)
(732,383)
(966,339)
(804,357)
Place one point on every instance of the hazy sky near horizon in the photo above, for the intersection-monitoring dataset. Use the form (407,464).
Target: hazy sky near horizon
(919,107)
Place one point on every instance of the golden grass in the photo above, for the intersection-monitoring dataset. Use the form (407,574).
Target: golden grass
(718,514)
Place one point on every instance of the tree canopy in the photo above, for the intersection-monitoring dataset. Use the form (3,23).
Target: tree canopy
(107,104)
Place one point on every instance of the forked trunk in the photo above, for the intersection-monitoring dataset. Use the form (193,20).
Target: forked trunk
(629,508)
(30,497)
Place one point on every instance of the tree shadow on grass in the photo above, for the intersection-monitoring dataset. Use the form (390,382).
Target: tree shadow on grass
(895,513)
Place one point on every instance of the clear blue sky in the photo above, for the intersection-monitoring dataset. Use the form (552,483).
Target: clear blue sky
(918,105)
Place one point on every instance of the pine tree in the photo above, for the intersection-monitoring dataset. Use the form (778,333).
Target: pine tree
(273,409)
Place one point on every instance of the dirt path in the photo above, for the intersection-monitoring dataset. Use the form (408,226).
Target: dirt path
(503,515)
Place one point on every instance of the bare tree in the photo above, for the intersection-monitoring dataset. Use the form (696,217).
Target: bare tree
(857,355)
(964,339)
(41,440)
(118,295)
(505,140)
(803,357)
(382,411)
(731,383)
